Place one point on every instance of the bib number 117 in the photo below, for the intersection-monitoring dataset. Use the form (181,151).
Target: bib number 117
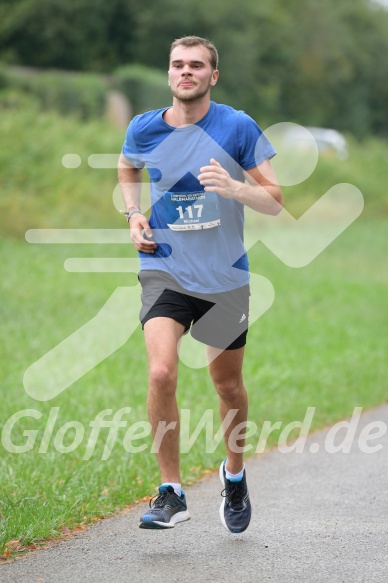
(190,212)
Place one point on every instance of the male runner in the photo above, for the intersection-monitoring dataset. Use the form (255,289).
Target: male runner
(206,161)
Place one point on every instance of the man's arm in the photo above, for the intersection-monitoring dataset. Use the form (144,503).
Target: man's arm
(130,179)
(261,193)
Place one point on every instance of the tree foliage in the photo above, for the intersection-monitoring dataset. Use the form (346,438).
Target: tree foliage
(317,63)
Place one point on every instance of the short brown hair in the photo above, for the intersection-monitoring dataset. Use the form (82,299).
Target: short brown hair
(194,41)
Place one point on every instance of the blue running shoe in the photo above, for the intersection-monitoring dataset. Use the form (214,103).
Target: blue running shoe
(166,510)
(235,510)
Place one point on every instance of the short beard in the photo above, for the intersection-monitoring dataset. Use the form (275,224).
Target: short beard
(187,97)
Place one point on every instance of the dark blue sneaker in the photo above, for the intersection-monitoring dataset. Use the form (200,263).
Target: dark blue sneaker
(166,509)
(235,510)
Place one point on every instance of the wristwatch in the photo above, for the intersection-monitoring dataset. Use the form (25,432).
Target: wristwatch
(132,211)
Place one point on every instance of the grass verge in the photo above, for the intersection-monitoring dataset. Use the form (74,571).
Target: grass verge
(322,344)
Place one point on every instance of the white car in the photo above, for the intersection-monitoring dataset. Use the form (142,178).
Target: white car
(327,140)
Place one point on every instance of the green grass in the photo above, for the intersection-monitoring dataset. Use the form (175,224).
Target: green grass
(36,189)
(322,344)
(365,168)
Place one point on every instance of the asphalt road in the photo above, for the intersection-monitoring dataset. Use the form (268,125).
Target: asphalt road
(318,516)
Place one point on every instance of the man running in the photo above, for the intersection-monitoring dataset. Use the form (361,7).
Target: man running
(206,161)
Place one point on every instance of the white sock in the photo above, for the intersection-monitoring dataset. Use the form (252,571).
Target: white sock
(177,487)
(234,477)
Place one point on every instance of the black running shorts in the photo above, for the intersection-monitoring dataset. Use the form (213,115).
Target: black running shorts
(219,320)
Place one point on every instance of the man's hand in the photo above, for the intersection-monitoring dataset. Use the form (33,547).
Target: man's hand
(139,223)
(262,193)
(216,179)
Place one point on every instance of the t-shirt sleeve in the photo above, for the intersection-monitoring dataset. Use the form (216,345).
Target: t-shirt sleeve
(130,148)
(254,147)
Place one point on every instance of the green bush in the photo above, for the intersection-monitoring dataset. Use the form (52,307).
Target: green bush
(146,88)
(81,94)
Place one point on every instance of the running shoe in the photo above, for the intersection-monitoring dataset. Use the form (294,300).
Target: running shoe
(235,510)
(166,509)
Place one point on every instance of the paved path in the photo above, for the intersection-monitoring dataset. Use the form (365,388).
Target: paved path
(318,517)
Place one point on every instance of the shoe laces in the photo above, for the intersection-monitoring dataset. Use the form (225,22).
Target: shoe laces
(234,493)
(158,500)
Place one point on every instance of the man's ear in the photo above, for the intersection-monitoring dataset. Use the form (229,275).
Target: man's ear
(214,77)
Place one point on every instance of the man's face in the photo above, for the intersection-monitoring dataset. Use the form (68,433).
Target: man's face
(190,74)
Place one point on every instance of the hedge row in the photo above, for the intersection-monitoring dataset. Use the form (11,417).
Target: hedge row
(85,94)
(146,88)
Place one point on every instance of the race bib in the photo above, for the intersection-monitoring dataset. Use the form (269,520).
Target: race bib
(189,211)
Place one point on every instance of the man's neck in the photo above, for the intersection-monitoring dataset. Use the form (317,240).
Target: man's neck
(186,113)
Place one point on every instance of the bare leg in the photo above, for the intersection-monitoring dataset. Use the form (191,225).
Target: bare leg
(226,373)
(162,336)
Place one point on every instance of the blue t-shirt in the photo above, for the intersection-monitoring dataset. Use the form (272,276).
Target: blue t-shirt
(199,235)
